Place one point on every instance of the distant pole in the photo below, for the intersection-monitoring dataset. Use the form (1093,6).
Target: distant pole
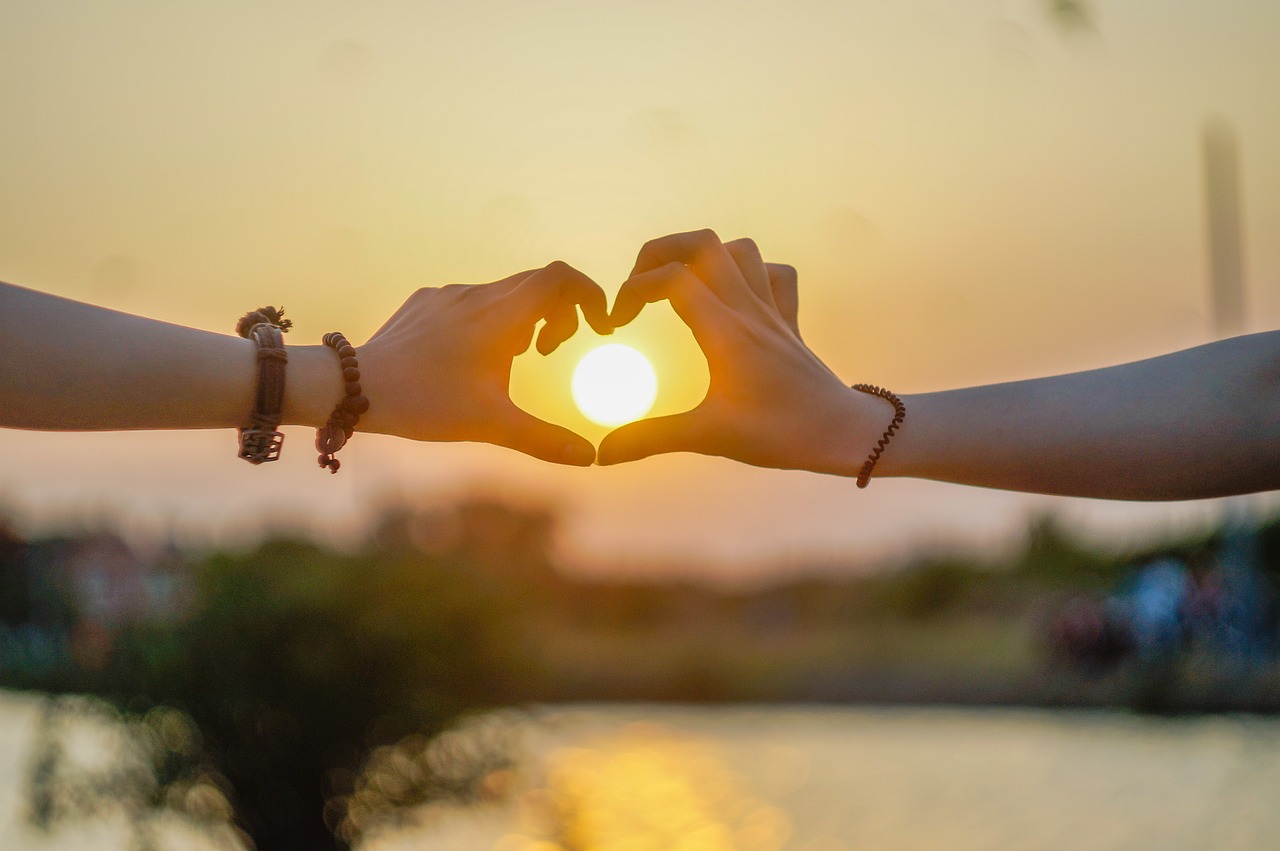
(1226,267)
(1222,205)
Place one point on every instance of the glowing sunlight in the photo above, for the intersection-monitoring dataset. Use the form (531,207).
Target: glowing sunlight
(614,384)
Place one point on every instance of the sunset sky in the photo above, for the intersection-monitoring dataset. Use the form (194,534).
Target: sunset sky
(972,192)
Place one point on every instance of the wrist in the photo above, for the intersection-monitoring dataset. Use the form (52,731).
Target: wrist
(313,385)
(373,381)
(843,432)
(853,431)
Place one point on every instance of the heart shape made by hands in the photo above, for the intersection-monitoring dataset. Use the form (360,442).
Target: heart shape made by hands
(542,384)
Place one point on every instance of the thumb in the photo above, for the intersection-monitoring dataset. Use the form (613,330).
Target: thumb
(631,442)
(520,430)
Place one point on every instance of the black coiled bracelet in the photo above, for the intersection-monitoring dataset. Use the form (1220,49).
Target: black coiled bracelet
(899,414)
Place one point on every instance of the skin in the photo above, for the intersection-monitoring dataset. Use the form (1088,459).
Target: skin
(1203,422)
(439,368)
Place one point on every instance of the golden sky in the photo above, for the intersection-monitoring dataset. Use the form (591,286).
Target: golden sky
(971,191)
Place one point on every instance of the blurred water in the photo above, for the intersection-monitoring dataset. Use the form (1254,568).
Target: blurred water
(634,778)
(837,779)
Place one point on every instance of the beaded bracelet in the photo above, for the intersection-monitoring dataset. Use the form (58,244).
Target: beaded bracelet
(334,434)
(261,440)
(899,414)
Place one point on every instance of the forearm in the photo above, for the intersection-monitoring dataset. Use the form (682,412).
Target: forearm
(1197,423)
(74,366)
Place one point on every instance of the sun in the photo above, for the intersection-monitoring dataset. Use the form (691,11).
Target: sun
(614,384)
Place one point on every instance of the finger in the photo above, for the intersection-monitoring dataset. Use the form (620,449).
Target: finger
(689,296)
(562,323)
(520,430)
(746,255)
(538,296)
(676,433)
(701,251)
(783,280)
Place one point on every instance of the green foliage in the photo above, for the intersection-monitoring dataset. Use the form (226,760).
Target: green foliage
(1053,559)
(927,589)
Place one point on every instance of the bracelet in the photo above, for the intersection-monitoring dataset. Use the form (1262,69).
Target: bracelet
(335,433)
(899,414)
(260,441)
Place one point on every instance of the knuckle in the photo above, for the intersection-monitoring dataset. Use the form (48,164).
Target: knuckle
(680,275)
(457,292)
(558,267)
(704,239)
(784,272)
(674,274)
(683,286)
(470,296)
(746,244)
(423,298)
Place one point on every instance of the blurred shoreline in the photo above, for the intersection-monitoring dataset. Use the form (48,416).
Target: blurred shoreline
(1183,625)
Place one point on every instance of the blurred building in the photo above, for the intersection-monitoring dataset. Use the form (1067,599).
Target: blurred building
(66,598)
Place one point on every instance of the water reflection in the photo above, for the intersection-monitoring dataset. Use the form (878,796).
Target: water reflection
(92,765)
(470,765)
(641,787)
(797,779)
(649,789)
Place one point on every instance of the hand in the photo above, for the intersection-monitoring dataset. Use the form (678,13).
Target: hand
(440,368)
(771,401)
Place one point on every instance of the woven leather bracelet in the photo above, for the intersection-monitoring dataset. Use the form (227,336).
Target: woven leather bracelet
(261,439)
(899,414)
